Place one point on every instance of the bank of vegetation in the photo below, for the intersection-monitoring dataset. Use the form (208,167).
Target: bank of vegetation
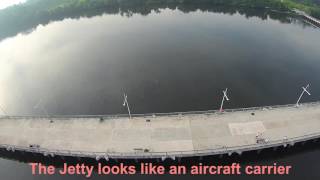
(311,7)
(24,17)
(58,6)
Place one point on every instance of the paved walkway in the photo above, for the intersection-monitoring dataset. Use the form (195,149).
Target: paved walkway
(317,21)
(175,134)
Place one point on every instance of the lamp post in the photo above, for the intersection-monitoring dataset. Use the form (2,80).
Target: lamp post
(125,103)
(225,97)
(4,112)
(304,90)
(40,105)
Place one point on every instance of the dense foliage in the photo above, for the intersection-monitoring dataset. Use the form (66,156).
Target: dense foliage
(23,17)
(36,7)
(311,7)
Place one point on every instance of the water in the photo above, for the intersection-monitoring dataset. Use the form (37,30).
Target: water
(165,60)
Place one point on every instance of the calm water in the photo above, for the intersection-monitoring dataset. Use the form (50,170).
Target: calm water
(166,61)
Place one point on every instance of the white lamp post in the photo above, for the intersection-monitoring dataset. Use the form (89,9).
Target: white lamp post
(225,97)
(304,90)
(125,103)
(41,106)
(4,112)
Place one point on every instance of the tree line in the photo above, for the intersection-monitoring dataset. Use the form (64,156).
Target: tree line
(24,17)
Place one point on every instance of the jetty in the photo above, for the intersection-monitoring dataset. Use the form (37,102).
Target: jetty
(308,17)
(162,136)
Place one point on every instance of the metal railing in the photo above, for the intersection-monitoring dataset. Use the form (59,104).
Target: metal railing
(142,155)
(164,155)
(150,115)
(302,13)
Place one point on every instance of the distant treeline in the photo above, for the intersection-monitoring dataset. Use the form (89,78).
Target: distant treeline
(24,17)
(311,7)
(57,6)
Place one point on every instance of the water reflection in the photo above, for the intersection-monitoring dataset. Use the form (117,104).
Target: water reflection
(27,22)
(173,59)
(167,61)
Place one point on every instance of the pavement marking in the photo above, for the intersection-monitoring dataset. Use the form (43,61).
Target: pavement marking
(245,128)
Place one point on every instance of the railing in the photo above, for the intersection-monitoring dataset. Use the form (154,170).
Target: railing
(149,115)
(164,155)
(301,13)
(200,152)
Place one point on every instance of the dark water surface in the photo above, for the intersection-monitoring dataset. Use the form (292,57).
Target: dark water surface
(166,60)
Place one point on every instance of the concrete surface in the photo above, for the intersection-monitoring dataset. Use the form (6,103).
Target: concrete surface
(185,133)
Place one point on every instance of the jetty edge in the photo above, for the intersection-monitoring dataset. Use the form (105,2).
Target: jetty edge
(162,135)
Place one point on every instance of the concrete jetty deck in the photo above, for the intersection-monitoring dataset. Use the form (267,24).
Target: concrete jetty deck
(163,136)
(308,17)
